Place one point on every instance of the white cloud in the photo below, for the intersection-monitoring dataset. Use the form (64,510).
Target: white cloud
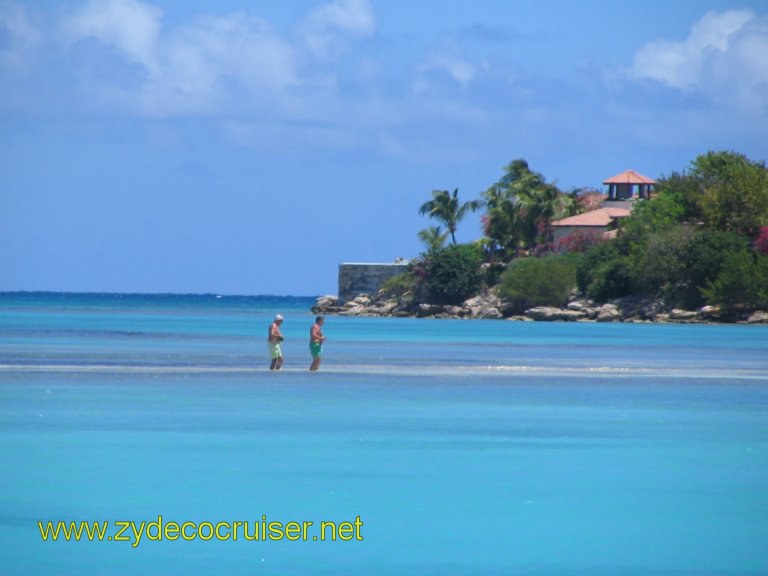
(215,62)
(324,28)
(131,26)
(740,74)
(458,69)
(725,56)
(193,68)
(200,60)
(22,35)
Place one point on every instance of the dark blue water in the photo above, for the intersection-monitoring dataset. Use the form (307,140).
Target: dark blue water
(464,447)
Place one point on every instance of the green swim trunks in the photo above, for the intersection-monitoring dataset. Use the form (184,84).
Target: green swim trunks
(315,348)
(274,350)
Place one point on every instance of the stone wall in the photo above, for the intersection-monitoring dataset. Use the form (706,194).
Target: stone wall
(356,279)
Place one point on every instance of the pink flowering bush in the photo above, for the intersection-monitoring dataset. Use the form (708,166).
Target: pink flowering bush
(578,242)
(761,243)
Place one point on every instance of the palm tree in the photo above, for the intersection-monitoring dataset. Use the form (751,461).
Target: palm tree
(521,207)
(539,205)
(433,238)
(445,207)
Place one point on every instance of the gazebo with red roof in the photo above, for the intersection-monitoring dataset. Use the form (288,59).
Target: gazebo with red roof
(622,186)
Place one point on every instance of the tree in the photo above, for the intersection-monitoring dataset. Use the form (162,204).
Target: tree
(723,190)
(433,239)
(521,207)
(741,285)
(452,273)
(677,263)
(603,273)
(735,197)
(446,208)
(538,205)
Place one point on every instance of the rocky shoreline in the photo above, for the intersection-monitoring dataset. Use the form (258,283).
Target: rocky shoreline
(490,306)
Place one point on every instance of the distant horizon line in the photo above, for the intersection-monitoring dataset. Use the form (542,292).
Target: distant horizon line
(103,293)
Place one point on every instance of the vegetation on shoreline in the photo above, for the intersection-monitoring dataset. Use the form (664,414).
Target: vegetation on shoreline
(701,240)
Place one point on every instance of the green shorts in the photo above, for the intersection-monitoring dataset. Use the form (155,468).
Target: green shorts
(274,350)
(316,349)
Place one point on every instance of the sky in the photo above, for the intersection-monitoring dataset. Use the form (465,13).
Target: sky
(250,147)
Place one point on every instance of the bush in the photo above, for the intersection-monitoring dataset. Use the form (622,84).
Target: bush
(704,261)
(530,282)
(761,242)
(491,274)
(603,273)
(741,285)
(452,273)
(578,242)
(612,279)
(399,285)
(677,263)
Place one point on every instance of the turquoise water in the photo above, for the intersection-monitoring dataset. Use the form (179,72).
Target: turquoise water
(464,447)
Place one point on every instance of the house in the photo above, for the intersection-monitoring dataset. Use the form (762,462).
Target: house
(623,190)
(629,185)
(597,222)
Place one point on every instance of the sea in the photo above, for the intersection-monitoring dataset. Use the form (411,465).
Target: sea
(421,446)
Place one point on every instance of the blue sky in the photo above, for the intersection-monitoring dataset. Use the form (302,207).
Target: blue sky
(243,147)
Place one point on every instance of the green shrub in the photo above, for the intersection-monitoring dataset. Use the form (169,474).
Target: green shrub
(452,273)
(491,273)
(703,262)
(678,262)
(659,265)
(604,273)
(741,285)
(399,285)
(612,279)
(546,281)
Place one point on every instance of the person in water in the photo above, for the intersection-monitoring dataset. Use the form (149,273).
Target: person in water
(316,339)
(274,340)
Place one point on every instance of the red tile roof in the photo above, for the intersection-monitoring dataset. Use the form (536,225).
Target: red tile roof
(629,177)
(599,217)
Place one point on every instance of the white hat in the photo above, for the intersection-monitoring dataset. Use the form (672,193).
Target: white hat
(278,317)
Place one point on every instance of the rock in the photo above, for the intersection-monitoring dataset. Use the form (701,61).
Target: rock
(425,310)
(759,317)
(350,309)
(592,313)
(608,313)
(472,311)
(683,315)
(326,305)
(573,315)
(454,311)
(577,306)
(386,307)
(710,312)
(545,313)
(640,307)
(325,301)
(491,313)
(483,306)
(550,314)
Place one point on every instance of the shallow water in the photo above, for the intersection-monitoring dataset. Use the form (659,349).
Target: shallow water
(465,447)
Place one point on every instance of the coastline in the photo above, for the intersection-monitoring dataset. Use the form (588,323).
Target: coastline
(490,306)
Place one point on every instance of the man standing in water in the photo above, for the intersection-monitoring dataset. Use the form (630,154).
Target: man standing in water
(316,340)
(273,341)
